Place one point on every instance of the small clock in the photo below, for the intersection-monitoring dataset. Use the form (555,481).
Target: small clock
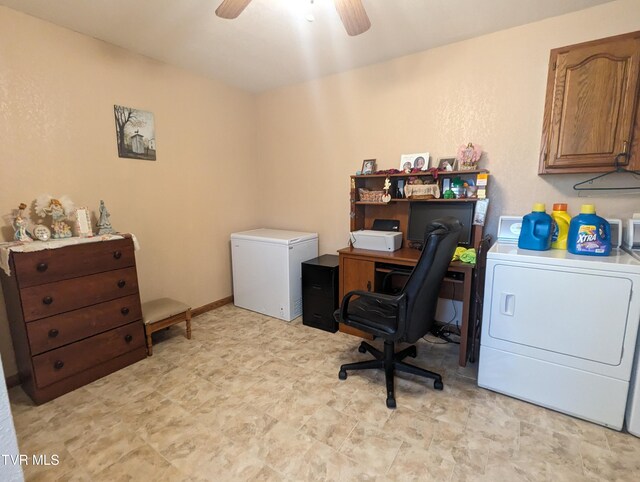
(41,232)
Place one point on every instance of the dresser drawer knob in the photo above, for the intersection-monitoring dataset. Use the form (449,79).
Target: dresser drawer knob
(117,254)
(47,300)
(53,332)
(42,267)
(124,311)
(128,338)
(121,283)
(58,364)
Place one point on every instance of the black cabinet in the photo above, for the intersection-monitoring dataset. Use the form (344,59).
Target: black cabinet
(320,292)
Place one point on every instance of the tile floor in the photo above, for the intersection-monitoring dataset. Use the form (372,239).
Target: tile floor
(255,398)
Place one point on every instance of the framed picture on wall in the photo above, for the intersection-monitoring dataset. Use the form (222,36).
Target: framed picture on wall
(368,166)
(419,160)
(135,133)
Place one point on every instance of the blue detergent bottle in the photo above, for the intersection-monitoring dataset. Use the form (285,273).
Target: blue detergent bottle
(589,234)
(537,229)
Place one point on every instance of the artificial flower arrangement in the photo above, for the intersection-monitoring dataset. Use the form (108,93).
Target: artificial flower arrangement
(468,157)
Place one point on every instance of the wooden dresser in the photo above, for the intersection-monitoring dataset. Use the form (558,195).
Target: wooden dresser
(74,314)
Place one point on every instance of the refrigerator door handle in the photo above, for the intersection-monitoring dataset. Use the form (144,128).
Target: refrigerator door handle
(507,303)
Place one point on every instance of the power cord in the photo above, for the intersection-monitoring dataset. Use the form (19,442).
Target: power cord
(443,333)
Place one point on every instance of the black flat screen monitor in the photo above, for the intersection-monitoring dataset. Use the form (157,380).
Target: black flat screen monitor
(421,214)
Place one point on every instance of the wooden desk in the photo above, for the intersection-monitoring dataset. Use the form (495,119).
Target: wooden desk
(363,269)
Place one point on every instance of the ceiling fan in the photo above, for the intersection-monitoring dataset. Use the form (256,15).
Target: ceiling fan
(351,12)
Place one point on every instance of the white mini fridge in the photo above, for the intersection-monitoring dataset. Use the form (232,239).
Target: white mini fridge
(267,270)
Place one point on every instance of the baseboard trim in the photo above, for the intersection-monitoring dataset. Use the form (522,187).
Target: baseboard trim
(211,306)
(12,380)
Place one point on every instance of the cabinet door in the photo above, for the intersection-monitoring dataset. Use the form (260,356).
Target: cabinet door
(590,108)
(355,274)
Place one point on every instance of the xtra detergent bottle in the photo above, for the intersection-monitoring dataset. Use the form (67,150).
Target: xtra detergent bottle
(561,229)
(589,234)
(537,229)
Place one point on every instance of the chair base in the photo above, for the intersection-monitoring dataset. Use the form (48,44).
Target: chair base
(390,361)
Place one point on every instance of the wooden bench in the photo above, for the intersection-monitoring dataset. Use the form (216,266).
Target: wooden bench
(162,313)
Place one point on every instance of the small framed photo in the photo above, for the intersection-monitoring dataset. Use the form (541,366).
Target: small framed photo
(414,161)
(368,166)
(83,223)
(447,164)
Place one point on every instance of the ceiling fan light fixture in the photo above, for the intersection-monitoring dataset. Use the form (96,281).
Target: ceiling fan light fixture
(351,13)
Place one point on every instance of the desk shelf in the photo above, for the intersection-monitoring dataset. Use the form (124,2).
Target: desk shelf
(363,213)
(421,174)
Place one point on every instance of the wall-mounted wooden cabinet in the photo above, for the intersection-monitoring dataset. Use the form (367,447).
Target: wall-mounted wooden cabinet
(591,110)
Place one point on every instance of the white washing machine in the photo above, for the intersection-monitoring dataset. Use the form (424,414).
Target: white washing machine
(559,330)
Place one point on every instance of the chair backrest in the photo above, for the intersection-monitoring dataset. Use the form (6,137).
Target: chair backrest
(423,285)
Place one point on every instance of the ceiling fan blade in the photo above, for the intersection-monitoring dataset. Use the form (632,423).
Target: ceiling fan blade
(231,8)
(353,16)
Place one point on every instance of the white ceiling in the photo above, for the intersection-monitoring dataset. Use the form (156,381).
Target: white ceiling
(271,44)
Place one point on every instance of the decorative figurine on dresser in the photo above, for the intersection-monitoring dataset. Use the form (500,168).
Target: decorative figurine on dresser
(59,210)
(74,311)
(104,224)
(20,223)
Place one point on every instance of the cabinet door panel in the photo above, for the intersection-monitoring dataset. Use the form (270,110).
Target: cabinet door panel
(591,105)
(357,275)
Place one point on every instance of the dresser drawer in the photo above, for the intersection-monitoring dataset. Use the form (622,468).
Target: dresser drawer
(54,298)
(54,365)
(50,265)
(55,331)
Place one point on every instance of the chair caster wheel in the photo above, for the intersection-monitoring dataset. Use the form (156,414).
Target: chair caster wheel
(342,374)
(362,349)
(391,403)
(438,385)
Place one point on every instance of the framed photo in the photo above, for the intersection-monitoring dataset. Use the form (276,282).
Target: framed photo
(368,166)
(83,223)
(419,160)
(135,133)
(447,164)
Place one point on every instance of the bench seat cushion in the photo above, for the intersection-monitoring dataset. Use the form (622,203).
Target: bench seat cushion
(161,309)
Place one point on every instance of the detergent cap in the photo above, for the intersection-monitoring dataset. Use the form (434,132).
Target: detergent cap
(560,207)
(539,208)
(587,209)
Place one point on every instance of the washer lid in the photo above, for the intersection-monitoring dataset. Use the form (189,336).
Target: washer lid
(618,260)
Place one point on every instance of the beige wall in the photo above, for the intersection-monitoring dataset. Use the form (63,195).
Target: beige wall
(57,135)
(489,90)
(57,89)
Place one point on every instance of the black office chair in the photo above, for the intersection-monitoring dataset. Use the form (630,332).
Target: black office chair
(407,316)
